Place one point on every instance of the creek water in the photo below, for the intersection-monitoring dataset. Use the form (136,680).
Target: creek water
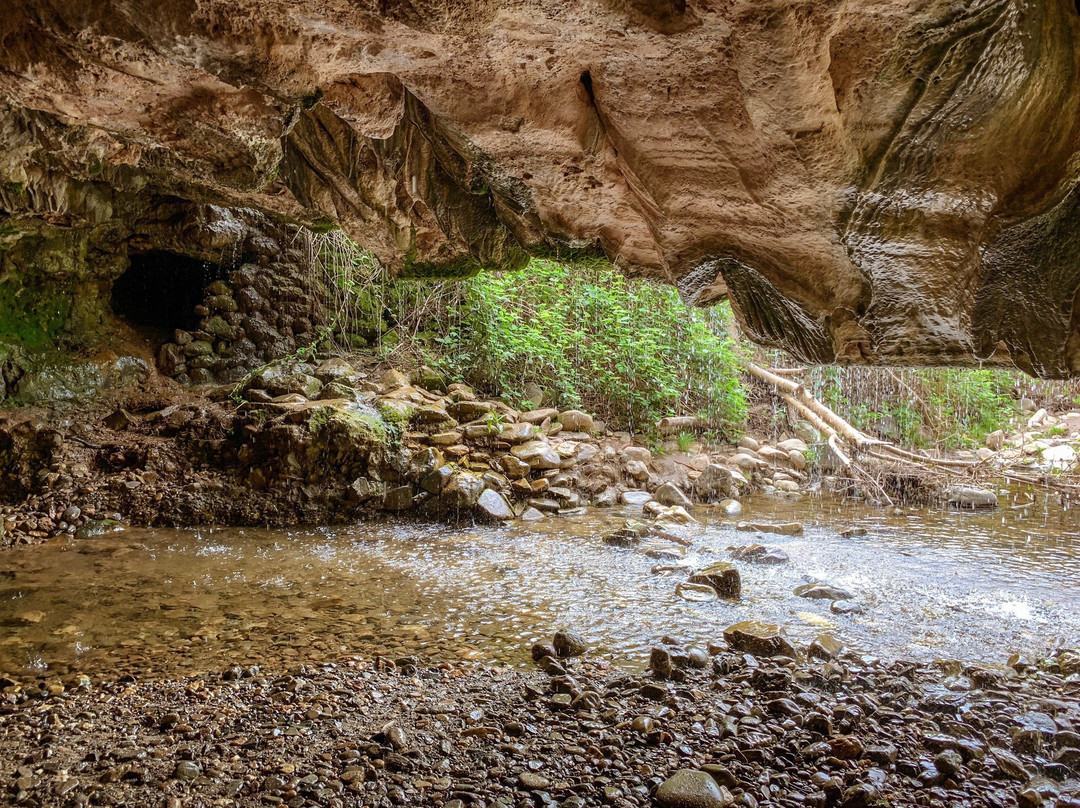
(933,584)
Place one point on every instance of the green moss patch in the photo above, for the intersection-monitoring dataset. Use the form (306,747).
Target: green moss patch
(32,316)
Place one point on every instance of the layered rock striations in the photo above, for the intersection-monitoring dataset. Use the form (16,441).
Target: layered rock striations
(869,181)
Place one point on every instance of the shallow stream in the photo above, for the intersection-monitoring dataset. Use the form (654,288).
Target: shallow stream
(933,584)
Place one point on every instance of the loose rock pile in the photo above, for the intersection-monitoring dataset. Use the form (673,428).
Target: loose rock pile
(324,442)
(261,313)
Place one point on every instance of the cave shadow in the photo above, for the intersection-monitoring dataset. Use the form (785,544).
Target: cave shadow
(159,291)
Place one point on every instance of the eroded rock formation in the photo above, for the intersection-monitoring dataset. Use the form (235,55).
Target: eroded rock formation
(887,181)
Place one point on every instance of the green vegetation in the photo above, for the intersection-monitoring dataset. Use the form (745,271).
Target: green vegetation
(349,428)
(948,407)
(630,352)
(572,331)
(685,440)
(33,317)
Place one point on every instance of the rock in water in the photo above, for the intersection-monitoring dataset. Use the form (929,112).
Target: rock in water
(638,498)
(670,495)
(696,593)
(971,497)
(688,788)
(569,644)
(760,554)
(784,528)
(721,576)
(732,507)
(714,483)
(493,505)
(822,592)
(543,649)
(759,639)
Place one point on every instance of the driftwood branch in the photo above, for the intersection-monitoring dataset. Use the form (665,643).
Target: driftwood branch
(848,444)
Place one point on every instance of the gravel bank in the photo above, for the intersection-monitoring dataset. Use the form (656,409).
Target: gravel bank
(852,733)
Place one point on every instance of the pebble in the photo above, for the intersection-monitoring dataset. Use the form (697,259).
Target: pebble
(688,788)
(534,782)
(187,770)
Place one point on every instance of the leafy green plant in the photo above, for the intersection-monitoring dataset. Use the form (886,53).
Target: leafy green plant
(630,352)
(494,421)
(685,440)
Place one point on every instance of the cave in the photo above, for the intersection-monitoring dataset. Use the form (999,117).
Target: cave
(160,290)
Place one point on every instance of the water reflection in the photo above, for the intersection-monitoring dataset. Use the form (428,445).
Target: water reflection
(933,583)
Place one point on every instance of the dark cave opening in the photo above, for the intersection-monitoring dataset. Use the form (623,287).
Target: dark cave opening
(160,290)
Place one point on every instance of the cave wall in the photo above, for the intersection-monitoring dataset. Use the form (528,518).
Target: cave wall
(869,181)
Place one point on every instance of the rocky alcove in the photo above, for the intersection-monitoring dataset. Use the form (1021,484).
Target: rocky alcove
(160,290)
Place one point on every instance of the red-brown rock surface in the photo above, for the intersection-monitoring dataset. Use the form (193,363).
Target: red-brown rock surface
(870,180)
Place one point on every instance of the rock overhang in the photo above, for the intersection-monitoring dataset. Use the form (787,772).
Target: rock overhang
(869,182)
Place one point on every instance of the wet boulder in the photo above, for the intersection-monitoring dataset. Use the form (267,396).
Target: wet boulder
(970,497)
(689,788)
(463,490)
(569,644)
(398,499)
(759,554)
(576,421)
(334,369)
(466,410)
(819,591)
(826,647)
(518,433)
(629,535)
(638,498)
(538,454)
(669,494)
(428,378)
(714,483)
(721,576)
(394,380)
(491,505)
(758,639)
(292,384)
(539,416)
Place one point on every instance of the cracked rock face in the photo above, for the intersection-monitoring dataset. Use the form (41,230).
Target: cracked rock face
(869,181)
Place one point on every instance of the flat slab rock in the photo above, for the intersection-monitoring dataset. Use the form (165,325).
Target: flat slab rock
(759,554)
(635,497)
(780,528)
(758,639)
(822,592)
(972,498)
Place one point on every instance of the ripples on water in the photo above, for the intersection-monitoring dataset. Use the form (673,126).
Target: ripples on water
(934,584)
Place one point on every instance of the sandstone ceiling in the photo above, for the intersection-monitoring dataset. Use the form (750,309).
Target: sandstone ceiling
(870,181)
